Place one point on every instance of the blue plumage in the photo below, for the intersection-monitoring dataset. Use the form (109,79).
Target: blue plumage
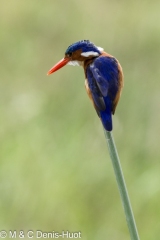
(106,115)
(104,77)
(84,45)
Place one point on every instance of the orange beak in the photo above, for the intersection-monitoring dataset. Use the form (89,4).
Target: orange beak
(59,65)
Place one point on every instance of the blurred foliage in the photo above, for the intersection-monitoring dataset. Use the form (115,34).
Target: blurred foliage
(55,171)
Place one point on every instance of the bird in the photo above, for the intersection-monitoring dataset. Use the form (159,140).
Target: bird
(104,79)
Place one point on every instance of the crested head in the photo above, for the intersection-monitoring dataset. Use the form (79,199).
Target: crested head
(84,45)
(83,49)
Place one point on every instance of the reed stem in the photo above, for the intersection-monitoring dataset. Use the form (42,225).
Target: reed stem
(122,186)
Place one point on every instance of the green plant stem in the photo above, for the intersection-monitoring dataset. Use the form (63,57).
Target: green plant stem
(122,186)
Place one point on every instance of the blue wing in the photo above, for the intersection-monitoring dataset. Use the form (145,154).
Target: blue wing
(103,82)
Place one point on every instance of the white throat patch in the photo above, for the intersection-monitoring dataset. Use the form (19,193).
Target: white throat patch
(73,63)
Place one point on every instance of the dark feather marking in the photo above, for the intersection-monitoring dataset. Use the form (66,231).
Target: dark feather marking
(101,82)
(96,94)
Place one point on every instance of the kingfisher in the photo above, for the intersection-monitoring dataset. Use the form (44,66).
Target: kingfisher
(103,77)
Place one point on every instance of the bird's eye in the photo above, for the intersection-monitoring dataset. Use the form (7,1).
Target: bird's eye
(69,54)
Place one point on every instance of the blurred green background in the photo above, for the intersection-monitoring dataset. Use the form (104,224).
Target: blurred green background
(55,170)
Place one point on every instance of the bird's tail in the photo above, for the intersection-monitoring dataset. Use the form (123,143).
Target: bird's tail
(106,115)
